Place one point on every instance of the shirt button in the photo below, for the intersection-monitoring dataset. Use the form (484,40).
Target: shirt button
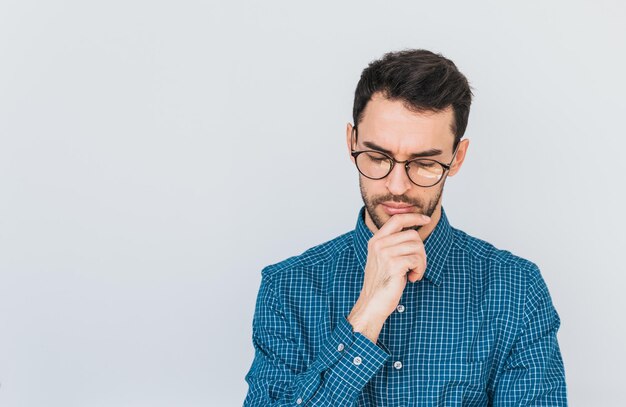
(400,308)
(357,361)
(397,364)
(340,347)
(299,401)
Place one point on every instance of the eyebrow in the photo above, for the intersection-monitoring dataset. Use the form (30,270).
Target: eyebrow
(427,153)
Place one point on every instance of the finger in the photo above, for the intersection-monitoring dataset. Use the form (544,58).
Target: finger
(380,244)
(411,247)
(413,276)
(409,235)
(416,267)
(405,264)
(401,220)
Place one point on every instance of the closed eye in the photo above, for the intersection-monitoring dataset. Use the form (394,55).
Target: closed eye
(376,157)
(425,163)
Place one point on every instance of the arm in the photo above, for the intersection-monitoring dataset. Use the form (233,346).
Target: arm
(280,376)
(533,372)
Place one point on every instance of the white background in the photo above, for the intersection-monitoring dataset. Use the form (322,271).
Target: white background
(155,156)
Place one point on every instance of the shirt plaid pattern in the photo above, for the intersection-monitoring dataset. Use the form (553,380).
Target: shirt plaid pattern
(479,329)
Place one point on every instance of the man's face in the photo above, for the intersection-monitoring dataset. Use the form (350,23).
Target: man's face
(388,126)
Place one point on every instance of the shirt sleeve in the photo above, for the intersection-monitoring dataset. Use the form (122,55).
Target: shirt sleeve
(533,373)
(280,376)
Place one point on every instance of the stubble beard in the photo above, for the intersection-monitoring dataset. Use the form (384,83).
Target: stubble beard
(422,207)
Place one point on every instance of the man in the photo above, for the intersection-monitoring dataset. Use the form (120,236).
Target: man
(406,310)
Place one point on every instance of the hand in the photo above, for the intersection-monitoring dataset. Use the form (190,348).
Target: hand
(394,256)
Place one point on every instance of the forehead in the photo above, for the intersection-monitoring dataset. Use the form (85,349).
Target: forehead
(391,125)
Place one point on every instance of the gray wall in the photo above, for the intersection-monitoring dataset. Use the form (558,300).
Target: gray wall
(154,156)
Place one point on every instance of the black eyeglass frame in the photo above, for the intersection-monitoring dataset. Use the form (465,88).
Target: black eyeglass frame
(356,153)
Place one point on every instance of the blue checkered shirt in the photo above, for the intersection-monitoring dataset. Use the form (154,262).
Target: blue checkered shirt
(479,329)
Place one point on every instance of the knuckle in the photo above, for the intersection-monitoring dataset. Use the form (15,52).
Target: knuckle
(412,262)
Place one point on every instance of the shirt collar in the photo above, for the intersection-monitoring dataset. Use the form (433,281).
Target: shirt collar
(437,245)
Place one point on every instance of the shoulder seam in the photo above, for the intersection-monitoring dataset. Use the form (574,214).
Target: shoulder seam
(509,259)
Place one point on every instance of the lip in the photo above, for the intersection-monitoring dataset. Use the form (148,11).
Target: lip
(393,208)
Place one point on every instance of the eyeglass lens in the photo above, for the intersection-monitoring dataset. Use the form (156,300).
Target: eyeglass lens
(376,165)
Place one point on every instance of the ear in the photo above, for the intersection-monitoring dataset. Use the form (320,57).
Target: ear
(349,140)
(460,157)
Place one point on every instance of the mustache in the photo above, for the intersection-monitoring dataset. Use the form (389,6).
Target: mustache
(394,198)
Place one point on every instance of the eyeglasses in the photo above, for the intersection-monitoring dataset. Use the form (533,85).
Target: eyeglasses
(422,172)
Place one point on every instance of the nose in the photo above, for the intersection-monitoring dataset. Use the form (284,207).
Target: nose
(398,181)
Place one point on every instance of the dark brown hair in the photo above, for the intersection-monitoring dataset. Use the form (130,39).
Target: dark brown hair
(425,81)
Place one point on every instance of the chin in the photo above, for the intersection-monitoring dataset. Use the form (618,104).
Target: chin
(380,216)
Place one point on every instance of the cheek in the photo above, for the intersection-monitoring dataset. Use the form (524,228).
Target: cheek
(371,187)
(369,190)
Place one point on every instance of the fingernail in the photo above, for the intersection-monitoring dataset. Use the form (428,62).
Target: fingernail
(425,217)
